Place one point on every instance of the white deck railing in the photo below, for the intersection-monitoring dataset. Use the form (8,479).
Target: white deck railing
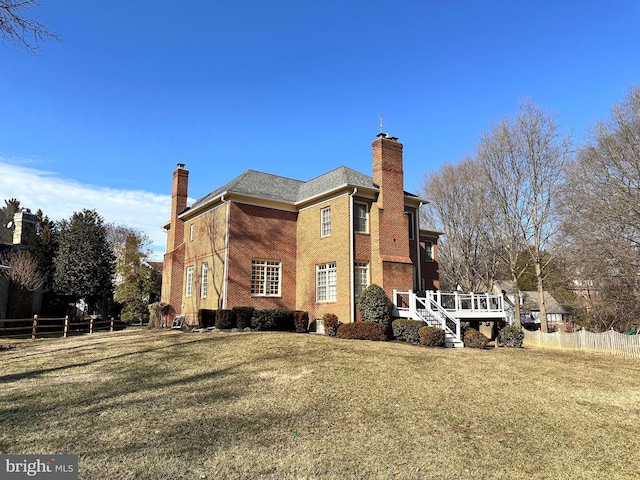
(459,305)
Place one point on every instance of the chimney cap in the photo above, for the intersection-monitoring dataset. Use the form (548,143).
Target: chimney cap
(181,165)
(386,135)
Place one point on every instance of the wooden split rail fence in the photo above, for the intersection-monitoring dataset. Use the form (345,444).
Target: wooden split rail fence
(51,327)
(610,342)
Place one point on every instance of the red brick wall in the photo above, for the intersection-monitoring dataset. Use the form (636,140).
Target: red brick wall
(264,234)
(390,240)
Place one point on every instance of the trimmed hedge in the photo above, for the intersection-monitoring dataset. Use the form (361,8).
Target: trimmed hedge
(243,316)
(431,336)
(331,324)
(475,339)
(301,319)
(277,319)
(363,331)
(375,306)
(407,330)
(206,318)
(511,336)
(225,319)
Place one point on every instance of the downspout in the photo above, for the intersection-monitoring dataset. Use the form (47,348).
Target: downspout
(352,240)
(225,270)
(417,235)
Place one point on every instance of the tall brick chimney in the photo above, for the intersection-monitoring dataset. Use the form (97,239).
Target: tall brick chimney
(178,205)
(390,233)
(173,265)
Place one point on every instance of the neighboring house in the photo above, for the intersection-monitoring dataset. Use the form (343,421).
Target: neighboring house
(273,242)
(13,300)
(558,316)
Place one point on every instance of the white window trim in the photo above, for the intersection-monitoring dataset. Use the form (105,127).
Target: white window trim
(326,282)
(366,217)
(325,222)
(358,268)
(428,251)
(189,283)
(265,282)
(204,281)
(192,232)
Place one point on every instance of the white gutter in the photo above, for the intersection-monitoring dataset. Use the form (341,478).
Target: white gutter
(225,270)
(352,240)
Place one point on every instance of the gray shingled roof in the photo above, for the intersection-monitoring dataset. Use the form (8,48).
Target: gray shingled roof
(335,178)
(274,187)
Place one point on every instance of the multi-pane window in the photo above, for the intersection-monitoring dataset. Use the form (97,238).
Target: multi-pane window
(325,222)
(204,281)
(192,231)
(361,217)
(361,277)
(189,283)
(326,282)
(428,251)
(412,225)
(265,278)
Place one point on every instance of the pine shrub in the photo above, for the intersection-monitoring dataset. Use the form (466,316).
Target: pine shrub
(363,331)
(206,318)
(375,306)
(276,319)
(475,339)
(301,319)
(225,319)
(331,324)
(431,336)
(243,316)
(511,336)
(407,330)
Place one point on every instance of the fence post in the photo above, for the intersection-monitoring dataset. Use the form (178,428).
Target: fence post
(90,325)
(66,326)
(111,325)
(34,328)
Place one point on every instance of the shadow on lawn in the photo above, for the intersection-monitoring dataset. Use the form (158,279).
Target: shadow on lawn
(12,377)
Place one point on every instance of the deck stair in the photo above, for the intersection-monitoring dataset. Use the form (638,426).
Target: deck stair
(446,310)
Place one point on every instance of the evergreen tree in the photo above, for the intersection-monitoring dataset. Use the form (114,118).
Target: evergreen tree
(85,263)
(11,206)
(136,280)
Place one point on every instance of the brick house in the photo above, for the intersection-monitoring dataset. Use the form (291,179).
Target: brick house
(273,242)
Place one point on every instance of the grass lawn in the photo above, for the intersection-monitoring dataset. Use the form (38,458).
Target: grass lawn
(169,405)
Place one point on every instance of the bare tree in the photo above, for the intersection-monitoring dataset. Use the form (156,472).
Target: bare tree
(602,206)
(17,28)
(23,270)
(466,250)
(523,160)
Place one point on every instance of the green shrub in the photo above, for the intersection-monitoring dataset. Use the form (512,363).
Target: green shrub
(475,339)
(431,336)
(363,331)
(511,336)
(375,306)
(331,324)
(225,319)
(407,330)
(277,319)
(301,319)
(243,316)
(206,318)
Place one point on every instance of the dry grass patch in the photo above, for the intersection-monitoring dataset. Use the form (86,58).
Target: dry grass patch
(154,405)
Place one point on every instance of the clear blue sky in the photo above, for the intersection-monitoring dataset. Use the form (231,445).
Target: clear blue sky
(293,88)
